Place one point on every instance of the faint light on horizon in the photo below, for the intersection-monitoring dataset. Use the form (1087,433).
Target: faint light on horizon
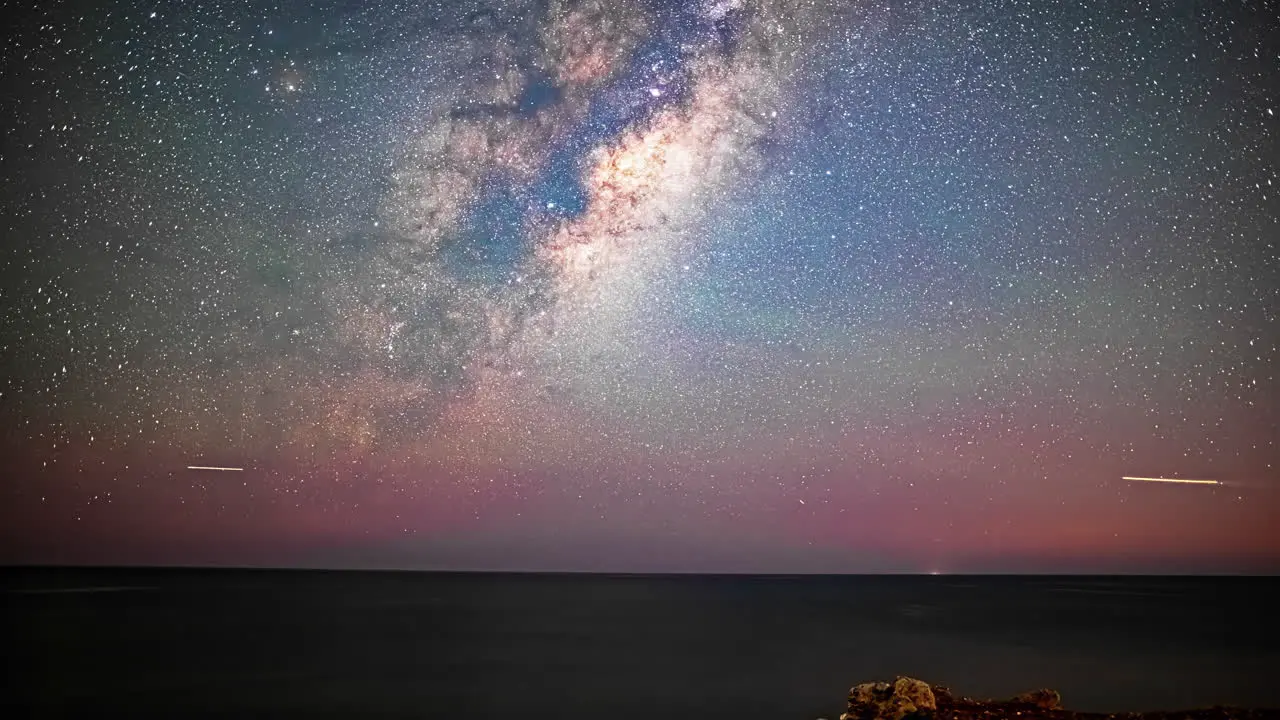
(1183,481)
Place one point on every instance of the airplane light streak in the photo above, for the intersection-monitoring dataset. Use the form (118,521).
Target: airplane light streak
(1183,481)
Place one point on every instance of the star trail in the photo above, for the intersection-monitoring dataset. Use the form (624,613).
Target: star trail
(720,285)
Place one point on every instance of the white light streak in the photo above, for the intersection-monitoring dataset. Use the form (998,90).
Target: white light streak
(1183,481)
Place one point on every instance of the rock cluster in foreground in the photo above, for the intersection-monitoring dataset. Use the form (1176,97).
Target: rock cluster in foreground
(910,699)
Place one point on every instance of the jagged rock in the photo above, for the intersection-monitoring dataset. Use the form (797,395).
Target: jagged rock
(942,695)
(911,699)
(906,698)
(1044,699)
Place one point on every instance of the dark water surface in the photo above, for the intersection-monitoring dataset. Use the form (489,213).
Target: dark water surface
(299,643)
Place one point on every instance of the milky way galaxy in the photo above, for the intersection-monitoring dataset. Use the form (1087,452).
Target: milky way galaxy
(727,285)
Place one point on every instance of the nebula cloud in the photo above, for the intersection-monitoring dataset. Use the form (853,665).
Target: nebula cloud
(418,335)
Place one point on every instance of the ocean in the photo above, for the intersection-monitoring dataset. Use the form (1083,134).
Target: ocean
(443,645)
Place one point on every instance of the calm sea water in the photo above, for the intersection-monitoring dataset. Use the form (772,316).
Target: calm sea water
(473,646)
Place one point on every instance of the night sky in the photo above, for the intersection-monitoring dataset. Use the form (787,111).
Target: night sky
(642,285)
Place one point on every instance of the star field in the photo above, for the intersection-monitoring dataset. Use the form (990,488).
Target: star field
(727,285)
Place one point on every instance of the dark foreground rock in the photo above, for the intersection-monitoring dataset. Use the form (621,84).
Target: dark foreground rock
(910,699)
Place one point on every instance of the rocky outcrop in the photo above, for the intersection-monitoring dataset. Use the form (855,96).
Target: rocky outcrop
(1043,699)
(904,699)
(911,699)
